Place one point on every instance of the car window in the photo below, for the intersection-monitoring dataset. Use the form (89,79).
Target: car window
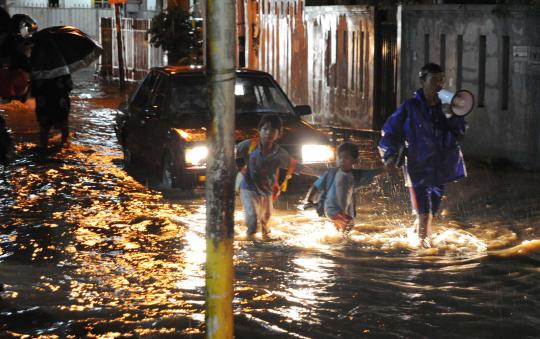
(188,96)
(259,95)
(157,100)
(144,92)
(253,95)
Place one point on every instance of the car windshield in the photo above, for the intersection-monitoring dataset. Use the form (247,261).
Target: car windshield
(254,95)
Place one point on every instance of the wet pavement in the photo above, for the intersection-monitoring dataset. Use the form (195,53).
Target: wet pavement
(88,250)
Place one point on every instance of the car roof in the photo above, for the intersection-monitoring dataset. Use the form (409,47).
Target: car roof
(187,70)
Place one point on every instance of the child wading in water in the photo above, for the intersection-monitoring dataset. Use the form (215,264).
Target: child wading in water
(263,158)
(340,184)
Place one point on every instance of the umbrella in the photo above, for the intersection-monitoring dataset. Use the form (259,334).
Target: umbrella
(61,50)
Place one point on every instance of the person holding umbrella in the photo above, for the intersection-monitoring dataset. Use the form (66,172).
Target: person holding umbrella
(52,106)
(51,91)
(56,53)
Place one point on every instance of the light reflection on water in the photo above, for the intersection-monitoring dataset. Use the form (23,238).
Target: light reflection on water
(86,250)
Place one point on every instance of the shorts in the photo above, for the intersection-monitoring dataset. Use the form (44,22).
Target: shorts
(257,209)
(426,198)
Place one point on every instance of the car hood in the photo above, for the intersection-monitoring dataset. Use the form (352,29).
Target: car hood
(295,130)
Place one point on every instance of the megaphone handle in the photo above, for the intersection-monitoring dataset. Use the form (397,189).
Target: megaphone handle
(457,125)
(446,108)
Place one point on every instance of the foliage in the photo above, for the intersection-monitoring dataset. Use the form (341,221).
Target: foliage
(179,34)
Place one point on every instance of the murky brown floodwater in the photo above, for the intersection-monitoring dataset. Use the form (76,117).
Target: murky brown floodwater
(88,251)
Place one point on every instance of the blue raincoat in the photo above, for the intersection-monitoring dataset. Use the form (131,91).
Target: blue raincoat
(432,149)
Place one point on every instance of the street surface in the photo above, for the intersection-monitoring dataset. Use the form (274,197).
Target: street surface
(88,250)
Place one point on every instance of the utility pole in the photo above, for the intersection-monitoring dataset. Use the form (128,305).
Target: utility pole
(119,46)
(220,173)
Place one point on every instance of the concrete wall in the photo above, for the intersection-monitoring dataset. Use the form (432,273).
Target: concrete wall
(500,128)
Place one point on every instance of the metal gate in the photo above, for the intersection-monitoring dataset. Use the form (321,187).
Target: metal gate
(139,55)
(385,92)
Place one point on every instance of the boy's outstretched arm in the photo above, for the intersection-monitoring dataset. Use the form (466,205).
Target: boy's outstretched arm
(363,177)
(314,190)
(311,194)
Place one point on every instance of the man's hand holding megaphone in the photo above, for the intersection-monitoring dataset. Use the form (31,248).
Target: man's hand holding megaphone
(460,103)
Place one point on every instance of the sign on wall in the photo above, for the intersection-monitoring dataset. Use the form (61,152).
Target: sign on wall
(520,52)
(526,53)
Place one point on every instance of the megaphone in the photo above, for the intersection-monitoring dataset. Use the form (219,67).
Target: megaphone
(461,103)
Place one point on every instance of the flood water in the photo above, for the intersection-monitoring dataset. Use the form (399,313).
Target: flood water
(86,250)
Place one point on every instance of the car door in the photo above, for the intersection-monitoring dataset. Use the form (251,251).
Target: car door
(143,133)
(155,122)
(137,108)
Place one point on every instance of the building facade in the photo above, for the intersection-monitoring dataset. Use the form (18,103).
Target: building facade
(492,53)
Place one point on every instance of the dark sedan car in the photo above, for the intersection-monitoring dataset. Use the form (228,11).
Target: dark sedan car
(163,126)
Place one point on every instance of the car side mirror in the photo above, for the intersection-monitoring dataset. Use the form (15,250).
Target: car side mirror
(302,110)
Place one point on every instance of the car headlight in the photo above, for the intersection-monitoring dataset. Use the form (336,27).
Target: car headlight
(196,156)
(317,153)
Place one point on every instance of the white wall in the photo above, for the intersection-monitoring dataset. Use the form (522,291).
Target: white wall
(87,19)
(62,3)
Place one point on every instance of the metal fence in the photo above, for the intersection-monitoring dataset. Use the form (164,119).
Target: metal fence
(139,55)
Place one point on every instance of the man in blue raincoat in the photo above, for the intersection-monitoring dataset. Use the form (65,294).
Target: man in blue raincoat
(428,138)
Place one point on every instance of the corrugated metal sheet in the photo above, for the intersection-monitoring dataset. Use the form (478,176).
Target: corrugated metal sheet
(322,56)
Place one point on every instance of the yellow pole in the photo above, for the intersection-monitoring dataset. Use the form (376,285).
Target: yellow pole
(219,286)
(220,173)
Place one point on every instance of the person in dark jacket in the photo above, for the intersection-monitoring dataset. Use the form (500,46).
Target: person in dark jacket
(428,138)
(52,106)
(15,50)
